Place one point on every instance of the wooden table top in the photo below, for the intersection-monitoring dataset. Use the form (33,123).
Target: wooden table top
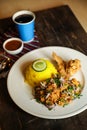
(57,26)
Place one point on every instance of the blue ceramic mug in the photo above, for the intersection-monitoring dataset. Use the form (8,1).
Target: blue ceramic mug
(25,21)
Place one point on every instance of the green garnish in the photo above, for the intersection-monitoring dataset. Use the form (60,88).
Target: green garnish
(77,96)
(48,80)
(57,81)
(70,88)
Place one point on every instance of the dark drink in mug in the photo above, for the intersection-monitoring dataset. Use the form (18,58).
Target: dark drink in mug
(25,18)
(25,21)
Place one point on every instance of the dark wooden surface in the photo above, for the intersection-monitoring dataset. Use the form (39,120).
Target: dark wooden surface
(59,26)
(56,26)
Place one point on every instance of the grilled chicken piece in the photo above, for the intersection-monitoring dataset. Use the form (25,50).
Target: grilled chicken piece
(60,63)
(72,67)
(66,69)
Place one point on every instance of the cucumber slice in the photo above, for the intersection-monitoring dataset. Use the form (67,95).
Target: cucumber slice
(39,65)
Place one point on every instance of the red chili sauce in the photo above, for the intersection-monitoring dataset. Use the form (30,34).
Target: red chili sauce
(13,45)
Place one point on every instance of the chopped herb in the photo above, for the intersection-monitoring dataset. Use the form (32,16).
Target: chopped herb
(80,85)
(70,88)
(49,103)
(65,104)
(47,80)
(77,96)
(62,99)
(49,91)
(57,81)
(38,100)
(49,108)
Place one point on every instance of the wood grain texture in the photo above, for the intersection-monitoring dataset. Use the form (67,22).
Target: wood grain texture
(60,27)
(56,26)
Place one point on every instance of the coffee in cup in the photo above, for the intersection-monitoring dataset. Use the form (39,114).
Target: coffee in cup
(25,22)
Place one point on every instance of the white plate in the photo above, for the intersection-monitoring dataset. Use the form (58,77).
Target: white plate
(21,93)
